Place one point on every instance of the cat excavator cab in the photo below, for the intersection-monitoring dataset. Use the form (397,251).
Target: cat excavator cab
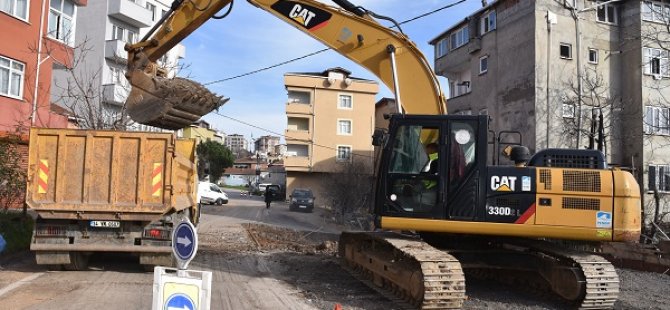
(525,224)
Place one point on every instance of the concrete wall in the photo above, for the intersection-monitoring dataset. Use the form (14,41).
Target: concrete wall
(528,82)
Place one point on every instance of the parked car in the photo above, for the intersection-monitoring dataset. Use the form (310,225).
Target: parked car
(210,193)
(302,199)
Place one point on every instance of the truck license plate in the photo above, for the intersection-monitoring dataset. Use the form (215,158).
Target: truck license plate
(303,207)
(106,224)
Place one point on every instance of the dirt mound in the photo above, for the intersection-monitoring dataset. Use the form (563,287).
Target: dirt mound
(271,238)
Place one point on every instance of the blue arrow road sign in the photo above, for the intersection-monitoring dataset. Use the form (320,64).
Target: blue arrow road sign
(184,241)
(179,302)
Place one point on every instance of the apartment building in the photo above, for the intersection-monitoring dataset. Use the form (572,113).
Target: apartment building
(237,144)
(36,37)
(574,74)
(105,26)
(266,145)
(201,131)
(330,121)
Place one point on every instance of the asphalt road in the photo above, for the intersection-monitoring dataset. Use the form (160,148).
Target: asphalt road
(243,209)
(116,281)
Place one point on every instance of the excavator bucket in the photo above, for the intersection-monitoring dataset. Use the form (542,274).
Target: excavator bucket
(169,103)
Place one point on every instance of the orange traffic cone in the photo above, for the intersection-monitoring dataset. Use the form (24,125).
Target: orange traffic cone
(338,307)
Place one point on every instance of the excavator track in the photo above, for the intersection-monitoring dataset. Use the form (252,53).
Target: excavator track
(417,273)
(584,280)
(601,282)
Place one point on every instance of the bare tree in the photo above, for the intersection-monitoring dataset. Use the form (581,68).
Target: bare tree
(350,192)
(601,112)
(93,103)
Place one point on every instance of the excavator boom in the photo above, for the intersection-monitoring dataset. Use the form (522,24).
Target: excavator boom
(175,103)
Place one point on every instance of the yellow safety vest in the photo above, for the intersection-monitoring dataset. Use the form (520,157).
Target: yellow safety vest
(428,184)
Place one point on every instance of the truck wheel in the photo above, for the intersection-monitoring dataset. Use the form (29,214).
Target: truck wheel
(78,262)
(219,202)
(197,221)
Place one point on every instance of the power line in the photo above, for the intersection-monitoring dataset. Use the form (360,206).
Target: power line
(283,135)
(326,49)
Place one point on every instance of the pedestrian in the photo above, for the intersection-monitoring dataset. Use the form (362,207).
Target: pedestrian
(268,198)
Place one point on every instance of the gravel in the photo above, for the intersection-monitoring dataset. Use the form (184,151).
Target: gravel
(309,263)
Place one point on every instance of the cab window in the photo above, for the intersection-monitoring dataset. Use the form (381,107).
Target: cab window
(413,170)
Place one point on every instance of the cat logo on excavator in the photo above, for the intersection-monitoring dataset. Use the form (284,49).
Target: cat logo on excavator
(503,184)
(307,16)
(301,15)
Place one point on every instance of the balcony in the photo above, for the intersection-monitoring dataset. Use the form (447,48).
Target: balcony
(298,108)
(129,12)
(114,51)
(296,163)
(300,135)
(114,93)
(457,60)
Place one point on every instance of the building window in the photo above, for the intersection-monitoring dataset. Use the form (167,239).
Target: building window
(152,9)
(344,127)
(654,11)
(568,110)
(17,8)
(441,48)
(118,76)
(483,64)
(11,77)
(126,35)
(655,61)
(343,153)
(345,102)
(459,38)
(61,20)
(457,88)
(593,56)
(607,13)
(566,51)
(487,22)
(656,120)
(659,175)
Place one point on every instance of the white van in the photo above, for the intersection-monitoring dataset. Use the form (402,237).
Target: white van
(210,193)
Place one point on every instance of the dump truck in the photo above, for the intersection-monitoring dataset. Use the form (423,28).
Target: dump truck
(108,191)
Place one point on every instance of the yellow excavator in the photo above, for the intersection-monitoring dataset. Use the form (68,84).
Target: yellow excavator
(527,224)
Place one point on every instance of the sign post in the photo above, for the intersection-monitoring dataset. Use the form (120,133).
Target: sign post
(184,243)
(181,288)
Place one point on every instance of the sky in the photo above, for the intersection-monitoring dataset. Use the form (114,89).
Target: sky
(250,39)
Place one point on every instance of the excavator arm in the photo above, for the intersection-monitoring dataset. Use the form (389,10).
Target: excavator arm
(351,31)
